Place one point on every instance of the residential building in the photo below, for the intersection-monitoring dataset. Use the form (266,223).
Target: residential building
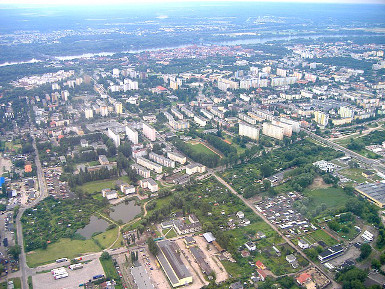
(132,135)
(109,194)
(149,164)
(273,131)
(175,156)
(195,168)
(141,171)
(112,134)
(149,184)
(161,160)
(249,131)
(321,118)
(149,132)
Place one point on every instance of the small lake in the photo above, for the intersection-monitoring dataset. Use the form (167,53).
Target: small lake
(95,225)
(125,211)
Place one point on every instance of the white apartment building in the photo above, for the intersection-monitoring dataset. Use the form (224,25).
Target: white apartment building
(132,135)
(200,120)
(149,164)
(272,130)
(248,130)
(161,160)
(177,157)
(149,132)
(112,134)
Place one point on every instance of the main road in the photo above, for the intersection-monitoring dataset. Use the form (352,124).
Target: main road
(376,164)
(24,269)
(247,203)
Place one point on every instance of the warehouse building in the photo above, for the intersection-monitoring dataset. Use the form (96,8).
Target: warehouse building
(373,192)
(172,265)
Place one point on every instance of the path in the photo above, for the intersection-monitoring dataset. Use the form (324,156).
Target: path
(130,222)
(334,284)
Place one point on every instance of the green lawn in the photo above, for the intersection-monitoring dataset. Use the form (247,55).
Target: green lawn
(331,197)
(200,148)
(63,248)
(169,233)
(320,235)
(354,174)
(109,269)
(107,238)
(97,186)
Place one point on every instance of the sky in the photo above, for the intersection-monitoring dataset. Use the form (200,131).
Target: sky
(133,2)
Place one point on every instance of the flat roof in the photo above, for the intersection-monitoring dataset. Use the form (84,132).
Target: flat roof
(141,278)
(375,191)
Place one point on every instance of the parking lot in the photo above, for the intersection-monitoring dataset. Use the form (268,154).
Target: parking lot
(46,280)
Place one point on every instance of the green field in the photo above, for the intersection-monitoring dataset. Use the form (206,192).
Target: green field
(63,248)
(332,197)
(97,186)
(200,148)
(107,238)
(320,235)
(169,233)
(354,174)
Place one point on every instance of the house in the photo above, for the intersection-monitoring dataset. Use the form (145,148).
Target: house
(260,265)
(303,278)
(109,194)
(292,260)
(167,224)
(261,274)
(193,219)
(103,160)
(149,184)
(236,285)
(250,246)
(83,143)
(260,235)
(240,215)
(367,174)
(127,189)
(303,244)
(182,228)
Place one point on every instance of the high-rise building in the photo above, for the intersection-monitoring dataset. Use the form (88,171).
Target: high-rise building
(249,131)
(321,118)
(272,130)
(88,113)
(118,108)
(149,132)
(132,135)
(114,136)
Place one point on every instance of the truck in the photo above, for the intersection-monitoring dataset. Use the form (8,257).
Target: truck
(75,266)
(98,276)
(61,260)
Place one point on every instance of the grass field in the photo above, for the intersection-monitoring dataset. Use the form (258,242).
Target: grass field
(200,148)
(331,197)
(320,235)
(107,238)
(354,174)
(169,233)
(97,186)
(109,269)
(63,248)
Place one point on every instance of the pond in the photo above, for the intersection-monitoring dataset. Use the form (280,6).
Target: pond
(125,211)
(95,225)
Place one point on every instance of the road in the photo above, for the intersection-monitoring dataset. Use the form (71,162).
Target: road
(24,269)
(299,251)
(375,164)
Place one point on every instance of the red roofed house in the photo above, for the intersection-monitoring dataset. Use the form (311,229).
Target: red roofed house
(260,265)
(27,168)
(303,278)
(261,274)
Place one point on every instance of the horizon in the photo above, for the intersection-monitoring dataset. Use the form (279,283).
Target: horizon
(69,3)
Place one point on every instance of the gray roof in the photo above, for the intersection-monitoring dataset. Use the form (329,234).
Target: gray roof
(209,237)
(375,191)
(171,262)
(141,278)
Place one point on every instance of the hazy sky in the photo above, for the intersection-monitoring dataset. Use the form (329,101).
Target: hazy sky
(132,2)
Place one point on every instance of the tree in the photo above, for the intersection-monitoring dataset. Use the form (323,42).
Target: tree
(152,246)
(376,264)
(15,251)
(266,184)
(366,250)
(105,256)
(266,170)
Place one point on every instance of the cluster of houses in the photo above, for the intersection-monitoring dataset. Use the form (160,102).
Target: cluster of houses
(182,227)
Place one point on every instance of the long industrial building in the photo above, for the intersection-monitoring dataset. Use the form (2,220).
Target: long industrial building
(373,192)
(168,257)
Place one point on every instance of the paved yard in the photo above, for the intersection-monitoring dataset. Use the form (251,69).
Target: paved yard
(46,280)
